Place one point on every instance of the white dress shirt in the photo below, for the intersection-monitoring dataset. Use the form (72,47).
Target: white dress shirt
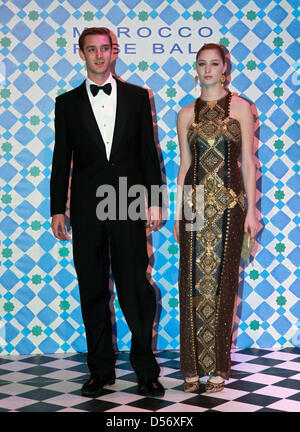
(104,109)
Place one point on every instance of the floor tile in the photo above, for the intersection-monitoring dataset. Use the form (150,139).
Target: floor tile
(15,388)
(37,359)
(16,366)
(261,381)
(63,374)
(292,350)
(180,408)
(126,366)
(17,376)
(121,398)
(15,402)
(39,370)
(286,405)
(39,394)
(166,371)
(257,399)
(205,401)
(289,383)
(70,410)
(5,360)
(173,364)
(126,408)
(229,393)
(168,354)
(278,371)
(281,355)
(121,384)
(279,392)
(63,386)
(235,406)
(242,358)
(176,396)
(255,351)
(267,409)
(63,364)
(265,361)
(40,407)
(95,405)
(290,365)
(169,383)
(263,378)
(39,381)
(249,367)
(151,404)
(66,400)
(295,396)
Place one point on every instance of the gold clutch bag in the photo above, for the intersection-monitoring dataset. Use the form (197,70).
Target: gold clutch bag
(247,247)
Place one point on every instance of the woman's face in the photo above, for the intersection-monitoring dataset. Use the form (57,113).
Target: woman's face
(210,67)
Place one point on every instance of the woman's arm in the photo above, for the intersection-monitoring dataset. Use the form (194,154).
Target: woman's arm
(184,119)
(245,118)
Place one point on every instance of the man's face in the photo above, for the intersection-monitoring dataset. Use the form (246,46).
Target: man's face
(97,54)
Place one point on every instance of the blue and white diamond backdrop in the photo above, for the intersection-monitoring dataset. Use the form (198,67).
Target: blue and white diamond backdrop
(40,310)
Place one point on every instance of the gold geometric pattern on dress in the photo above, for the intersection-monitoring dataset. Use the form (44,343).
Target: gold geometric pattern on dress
(208,337)
(210,211)
(207,360)
(207,311)
(211,185)
(208,263)
(232,128)
(211,160)
(210,234)
(217,198)
(210,115)
(225,198)
(209,129)
(210,112)
(220,195)
(208,289)
(215,142)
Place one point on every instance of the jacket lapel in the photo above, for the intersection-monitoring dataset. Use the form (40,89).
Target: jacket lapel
(88,118)
(121,115)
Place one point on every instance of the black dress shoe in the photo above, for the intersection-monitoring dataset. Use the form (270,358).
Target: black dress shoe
(94,386)
(151,387)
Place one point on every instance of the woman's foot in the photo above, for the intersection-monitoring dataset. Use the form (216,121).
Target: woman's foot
(191,384)
(214,384)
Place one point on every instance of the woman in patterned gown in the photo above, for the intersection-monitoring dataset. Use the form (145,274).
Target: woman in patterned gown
(212,132)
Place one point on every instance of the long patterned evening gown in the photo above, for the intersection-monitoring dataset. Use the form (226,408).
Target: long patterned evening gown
(210,255)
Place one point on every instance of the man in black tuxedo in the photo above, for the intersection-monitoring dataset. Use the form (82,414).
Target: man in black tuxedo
(106,125)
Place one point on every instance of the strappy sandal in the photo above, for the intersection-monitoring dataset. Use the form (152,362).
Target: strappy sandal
(212,387)
(191,386)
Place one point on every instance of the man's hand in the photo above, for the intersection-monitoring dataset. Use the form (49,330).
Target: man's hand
(154,218)
(58,226)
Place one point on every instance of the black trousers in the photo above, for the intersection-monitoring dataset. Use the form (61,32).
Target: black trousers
(126,241)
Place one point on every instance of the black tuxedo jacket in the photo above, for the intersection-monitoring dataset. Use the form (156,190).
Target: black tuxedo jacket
(133,153)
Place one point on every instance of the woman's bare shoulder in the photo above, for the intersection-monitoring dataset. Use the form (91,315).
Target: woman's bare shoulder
(240,108)
(239,102)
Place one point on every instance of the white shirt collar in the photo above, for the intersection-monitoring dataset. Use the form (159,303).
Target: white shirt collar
(110,79)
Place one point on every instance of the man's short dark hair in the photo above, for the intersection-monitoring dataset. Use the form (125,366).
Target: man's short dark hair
(94,31)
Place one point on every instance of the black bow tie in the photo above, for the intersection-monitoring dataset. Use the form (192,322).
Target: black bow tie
(95,89)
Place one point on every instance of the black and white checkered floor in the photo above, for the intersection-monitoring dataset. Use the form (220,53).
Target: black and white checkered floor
(262,380)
